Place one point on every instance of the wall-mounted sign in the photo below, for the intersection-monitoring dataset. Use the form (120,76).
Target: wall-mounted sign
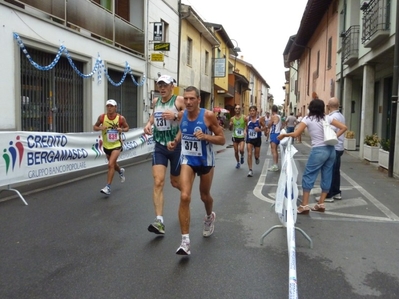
(157,57)
(158,31)
(219,65)
(162,47)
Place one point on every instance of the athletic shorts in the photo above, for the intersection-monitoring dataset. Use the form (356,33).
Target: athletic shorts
(257,142)
(273,138)
(237,140)
(200,170)
(162,155)
(110,150)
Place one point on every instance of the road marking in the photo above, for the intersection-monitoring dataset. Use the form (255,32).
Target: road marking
(391,216)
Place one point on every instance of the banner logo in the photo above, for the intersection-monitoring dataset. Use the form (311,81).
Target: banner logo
(15,153)
(98,147)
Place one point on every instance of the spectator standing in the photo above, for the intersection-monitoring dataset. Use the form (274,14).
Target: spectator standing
(321,157)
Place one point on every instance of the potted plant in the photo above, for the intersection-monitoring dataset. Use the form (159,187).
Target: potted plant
(371,147)
(383,153)
(350,141)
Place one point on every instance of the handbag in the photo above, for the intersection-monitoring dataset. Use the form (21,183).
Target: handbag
(330,137)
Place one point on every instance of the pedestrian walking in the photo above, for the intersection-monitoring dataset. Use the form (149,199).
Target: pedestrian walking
(275,126)
(164,126)
(199,130)
(321,157)
(238,125)
(111,125)
(255,126)
(299,119)
(267,130)
(290,123)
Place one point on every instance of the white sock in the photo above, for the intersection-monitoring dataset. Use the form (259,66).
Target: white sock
(186,236)
(160,218)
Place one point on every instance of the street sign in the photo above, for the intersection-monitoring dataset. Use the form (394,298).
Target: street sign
(162,47)
(158,31)
(157,57)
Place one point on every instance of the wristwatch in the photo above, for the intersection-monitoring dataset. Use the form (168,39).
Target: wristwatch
(176,115)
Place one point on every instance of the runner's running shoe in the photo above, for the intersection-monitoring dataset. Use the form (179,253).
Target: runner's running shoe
(209,225)
(157,227)
(106,190)
(122,175)
(184,248)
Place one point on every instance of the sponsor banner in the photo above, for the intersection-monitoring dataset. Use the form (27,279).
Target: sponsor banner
(37,155)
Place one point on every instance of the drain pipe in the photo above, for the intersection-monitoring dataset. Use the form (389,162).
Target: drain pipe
(394,101)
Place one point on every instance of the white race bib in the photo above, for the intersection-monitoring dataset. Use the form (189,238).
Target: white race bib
(161,123)
(252,134)
(191,146)
(239,132)
(112,135)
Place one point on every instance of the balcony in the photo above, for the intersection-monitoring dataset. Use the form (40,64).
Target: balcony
(376,22)
(89,19)
(350,45)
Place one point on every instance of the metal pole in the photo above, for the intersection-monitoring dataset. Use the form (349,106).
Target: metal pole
(394,101)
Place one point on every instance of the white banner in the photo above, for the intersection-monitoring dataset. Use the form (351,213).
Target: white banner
(36,155)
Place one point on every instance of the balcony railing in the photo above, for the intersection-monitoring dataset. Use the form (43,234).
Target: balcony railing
(89,18)
(350,45)
(376,22)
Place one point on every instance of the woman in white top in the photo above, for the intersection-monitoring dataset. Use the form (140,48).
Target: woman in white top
(321,157)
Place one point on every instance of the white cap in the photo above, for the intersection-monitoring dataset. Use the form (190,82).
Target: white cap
(166,78)
(111,102)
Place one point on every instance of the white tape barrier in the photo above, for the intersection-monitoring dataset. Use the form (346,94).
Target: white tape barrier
(36,155)
(285,207)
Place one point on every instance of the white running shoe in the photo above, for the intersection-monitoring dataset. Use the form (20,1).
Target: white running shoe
(257,161)
(209,225)
(273,168)
(250,174)
(122,175)
(106,190)
(184,248)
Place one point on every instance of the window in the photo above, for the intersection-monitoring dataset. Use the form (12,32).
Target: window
(52,101)
(329,53)
(318,64)
(165,31)
(206,62)
(126,95)
(189,51)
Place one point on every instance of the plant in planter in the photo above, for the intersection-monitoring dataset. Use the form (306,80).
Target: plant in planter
(383,153)
(371,146)
(349,135)
(372,140)
(350,141)
(385,144)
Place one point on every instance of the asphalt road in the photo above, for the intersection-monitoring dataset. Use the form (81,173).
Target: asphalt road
(71,241)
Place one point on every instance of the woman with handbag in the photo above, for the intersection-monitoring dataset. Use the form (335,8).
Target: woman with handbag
(321,157)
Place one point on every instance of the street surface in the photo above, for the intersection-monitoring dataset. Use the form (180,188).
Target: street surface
(71,241)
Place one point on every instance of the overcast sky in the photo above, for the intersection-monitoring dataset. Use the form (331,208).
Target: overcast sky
(261,29)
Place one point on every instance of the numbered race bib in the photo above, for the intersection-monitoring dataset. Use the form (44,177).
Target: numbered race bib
(161,123)
(191,146)
(112,135)
(252,134)
(239,132)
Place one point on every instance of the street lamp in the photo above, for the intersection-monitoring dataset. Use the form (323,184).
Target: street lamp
(236,49)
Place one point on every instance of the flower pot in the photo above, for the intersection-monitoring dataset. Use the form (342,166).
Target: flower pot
(370,153)
(350,144)
(383,158)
